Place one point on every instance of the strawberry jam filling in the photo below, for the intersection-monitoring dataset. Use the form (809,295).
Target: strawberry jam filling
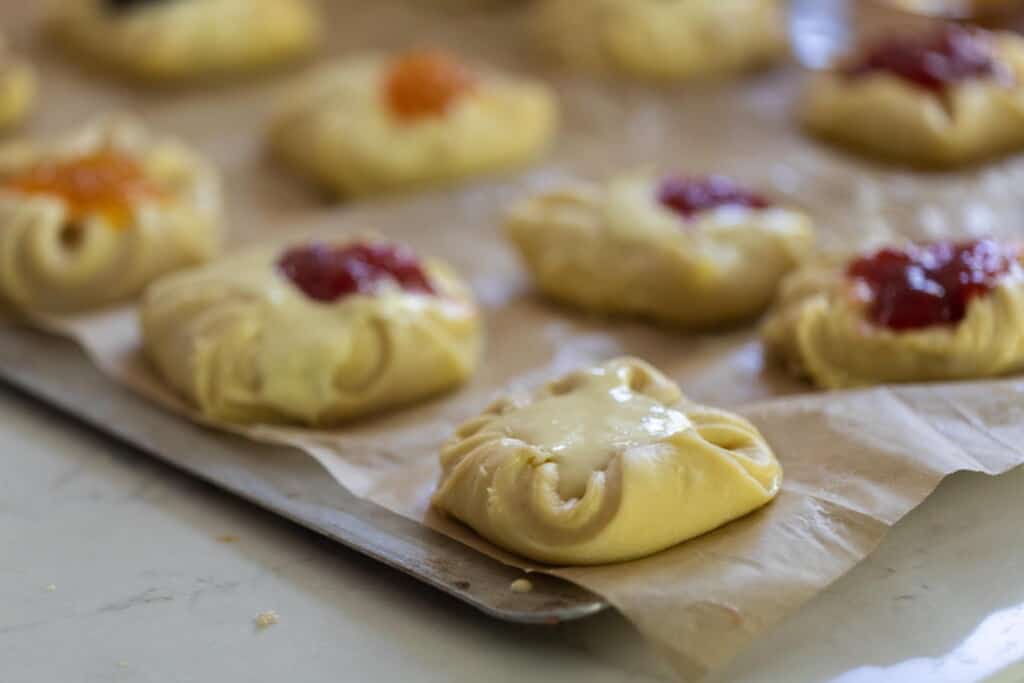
(103,182)
(425,84)
(327,272)
(930,284)
(935,61)
(690,196)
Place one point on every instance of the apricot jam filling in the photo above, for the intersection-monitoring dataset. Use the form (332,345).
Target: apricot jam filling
(426,84)
(104,182)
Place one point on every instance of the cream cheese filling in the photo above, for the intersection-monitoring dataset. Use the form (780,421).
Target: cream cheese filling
(583,429)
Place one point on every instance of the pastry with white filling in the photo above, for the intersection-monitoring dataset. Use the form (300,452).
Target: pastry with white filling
(603,465)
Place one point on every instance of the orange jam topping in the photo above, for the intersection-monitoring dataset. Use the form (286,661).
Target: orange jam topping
(103,182)
(423,84)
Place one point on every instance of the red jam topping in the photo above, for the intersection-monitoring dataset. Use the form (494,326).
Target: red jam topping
(425,84)
(327,272)
(690,196)
(932,62)
(105,181)
(930,284)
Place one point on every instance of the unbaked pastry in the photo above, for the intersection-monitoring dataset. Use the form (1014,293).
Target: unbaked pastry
(603,465)
(315,334)
(173,40)
(938,100)
(89,219)
(940,311)
(17,87)
(691,252)
(991,7)
(372,124)
(664,39)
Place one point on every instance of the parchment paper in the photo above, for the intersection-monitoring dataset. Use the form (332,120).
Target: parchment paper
(855,462)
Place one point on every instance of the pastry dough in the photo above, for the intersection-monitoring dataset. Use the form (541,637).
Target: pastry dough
(60,256)
(244,344)
(990,7)
(173,40)
(17,88)
(339,128)
(664,39)
(885,116)
(603,465)
(617,249)
(819,328)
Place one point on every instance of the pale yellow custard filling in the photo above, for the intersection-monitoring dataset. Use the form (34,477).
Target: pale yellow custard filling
(582,431)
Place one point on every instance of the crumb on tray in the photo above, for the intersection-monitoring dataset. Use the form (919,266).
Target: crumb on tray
(266,619)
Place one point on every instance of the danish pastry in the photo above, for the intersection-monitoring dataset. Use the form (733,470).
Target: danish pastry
(690,252)
(664,39)
(90,219)
(315,334)
(952,97)
(923,312)
(374,124)
(603,465)
(176,40)
(17,88)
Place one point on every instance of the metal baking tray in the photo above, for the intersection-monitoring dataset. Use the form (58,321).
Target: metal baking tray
(282,480)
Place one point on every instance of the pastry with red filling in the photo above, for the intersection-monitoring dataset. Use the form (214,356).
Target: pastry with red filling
(686,251)
(949,97)
(920,312)
(316,333)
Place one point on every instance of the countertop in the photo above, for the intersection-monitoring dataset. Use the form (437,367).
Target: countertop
(115,567)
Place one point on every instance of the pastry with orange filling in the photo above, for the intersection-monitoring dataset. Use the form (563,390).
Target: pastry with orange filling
(89,219)
(375,124)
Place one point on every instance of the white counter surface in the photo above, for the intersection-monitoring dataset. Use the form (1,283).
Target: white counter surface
(114,567)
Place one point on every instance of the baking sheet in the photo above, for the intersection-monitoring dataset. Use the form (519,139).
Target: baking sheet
(281,480)
(855,462)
